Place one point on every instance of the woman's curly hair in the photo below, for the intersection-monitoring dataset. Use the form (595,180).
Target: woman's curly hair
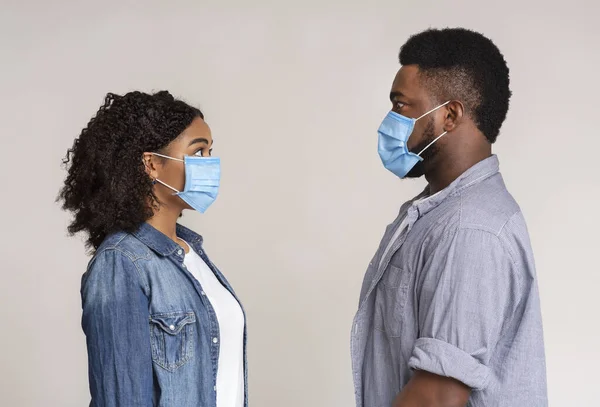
(107,187)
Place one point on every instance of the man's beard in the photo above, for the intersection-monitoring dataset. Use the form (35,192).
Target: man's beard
(428,136)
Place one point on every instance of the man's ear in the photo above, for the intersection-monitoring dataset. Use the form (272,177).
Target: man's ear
(454,112)
(150,165)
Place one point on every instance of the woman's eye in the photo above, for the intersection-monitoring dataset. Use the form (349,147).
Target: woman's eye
(201,153)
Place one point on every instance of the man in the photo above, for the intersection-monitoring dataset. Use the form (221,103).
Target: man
(449,311)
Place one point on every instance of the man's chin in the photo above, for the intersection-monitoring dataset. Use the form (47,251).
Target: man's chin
(417,171)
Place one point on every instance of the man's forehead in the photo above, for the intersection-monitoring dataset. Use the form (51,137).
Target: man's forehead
(407,81)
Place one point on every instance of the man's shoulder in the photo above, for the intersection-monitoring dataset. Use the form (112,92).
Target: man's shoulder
(487,206)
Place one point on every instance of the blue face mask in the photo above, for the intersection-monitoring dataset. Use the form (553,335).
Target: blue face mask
(393,139)
(202,180)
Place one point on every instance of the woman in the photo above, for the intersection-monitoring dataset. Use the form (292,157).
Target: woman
(162,324)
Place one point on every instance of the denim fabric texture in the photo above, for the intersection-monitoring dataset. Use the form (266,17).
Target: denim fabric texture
(152,335)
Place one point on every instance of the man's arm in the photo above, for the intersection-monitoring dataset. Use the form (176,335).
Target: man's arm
(468,291)
(430,390)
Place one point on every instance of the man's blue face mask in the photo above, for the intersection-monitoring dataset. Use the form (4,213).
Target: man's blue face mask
(202,180)
(393,139)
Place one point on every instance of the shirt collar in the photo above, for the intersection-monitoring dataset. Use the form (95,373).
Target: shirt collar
(474,175)
(163,245)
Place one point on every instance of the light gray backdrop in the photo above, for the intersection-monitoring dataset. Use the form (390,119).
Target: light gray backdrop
(294,93)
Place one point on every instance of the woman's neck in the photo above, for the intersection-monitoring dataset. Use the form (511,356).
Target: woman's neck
(165,221)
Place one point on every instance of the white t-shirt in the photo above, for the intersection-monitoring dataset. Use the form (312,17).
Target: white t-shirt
(230,373)
(401,228)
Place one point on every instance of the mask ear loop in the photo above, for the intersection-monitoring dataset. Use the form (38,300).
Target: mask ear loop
(162,183)
(438,137)
(430,144)
(432,110)
(168,186)
(166,156)
(146,167)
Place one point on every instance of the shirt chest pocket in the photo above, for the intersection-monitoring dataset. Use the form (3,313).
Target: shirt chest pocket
(391,296)
(172,338)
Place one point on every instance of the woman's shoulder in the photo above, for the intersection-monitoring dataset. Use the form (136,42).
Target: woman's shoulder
(116,257)
(122,244)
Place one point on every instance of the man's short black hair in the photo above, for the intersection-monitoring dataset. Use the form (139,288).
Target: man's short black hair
(456,63)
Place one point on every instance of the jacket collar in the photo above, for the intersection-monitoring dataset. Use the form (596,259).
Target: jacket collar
(163,245)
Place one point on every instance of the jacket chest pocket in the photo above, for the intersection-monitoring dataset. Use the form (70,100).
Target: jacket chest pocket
(172,338)
(391,296)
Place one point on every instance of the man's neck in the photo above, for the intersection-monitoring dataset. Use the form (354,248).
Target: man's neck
(449,167)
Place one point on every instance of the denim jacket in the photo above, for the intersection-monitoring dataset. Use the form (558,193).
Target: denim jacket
(152,335)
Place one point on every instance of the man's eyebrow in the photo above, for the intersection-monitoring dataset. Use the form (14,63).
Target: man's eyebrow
(396,94)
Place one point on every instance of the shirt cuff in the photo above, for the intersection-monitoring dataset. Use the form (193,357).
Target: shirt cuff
(443,359)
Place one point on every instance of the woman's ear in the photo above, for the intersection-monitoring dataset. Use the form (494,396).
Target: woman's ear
(150,165)
(454,112)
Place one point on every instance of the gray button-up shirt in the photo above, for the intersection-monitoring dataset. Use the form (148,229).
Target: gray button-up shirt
(456,295)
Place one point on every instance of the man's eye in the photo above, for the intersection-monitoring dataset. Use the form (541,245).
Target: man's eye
(399,105)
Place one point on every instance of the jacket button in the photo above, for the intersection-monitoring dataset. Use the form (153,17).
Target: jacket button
(215,340)
(172,327)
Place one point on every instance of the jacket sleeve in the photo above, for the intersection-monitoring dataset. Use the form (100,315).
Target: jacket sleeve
(116,324)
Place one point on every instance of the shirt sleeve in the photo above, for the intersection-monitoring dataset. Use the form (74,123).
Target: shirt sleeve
(467,293)
(116,324)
